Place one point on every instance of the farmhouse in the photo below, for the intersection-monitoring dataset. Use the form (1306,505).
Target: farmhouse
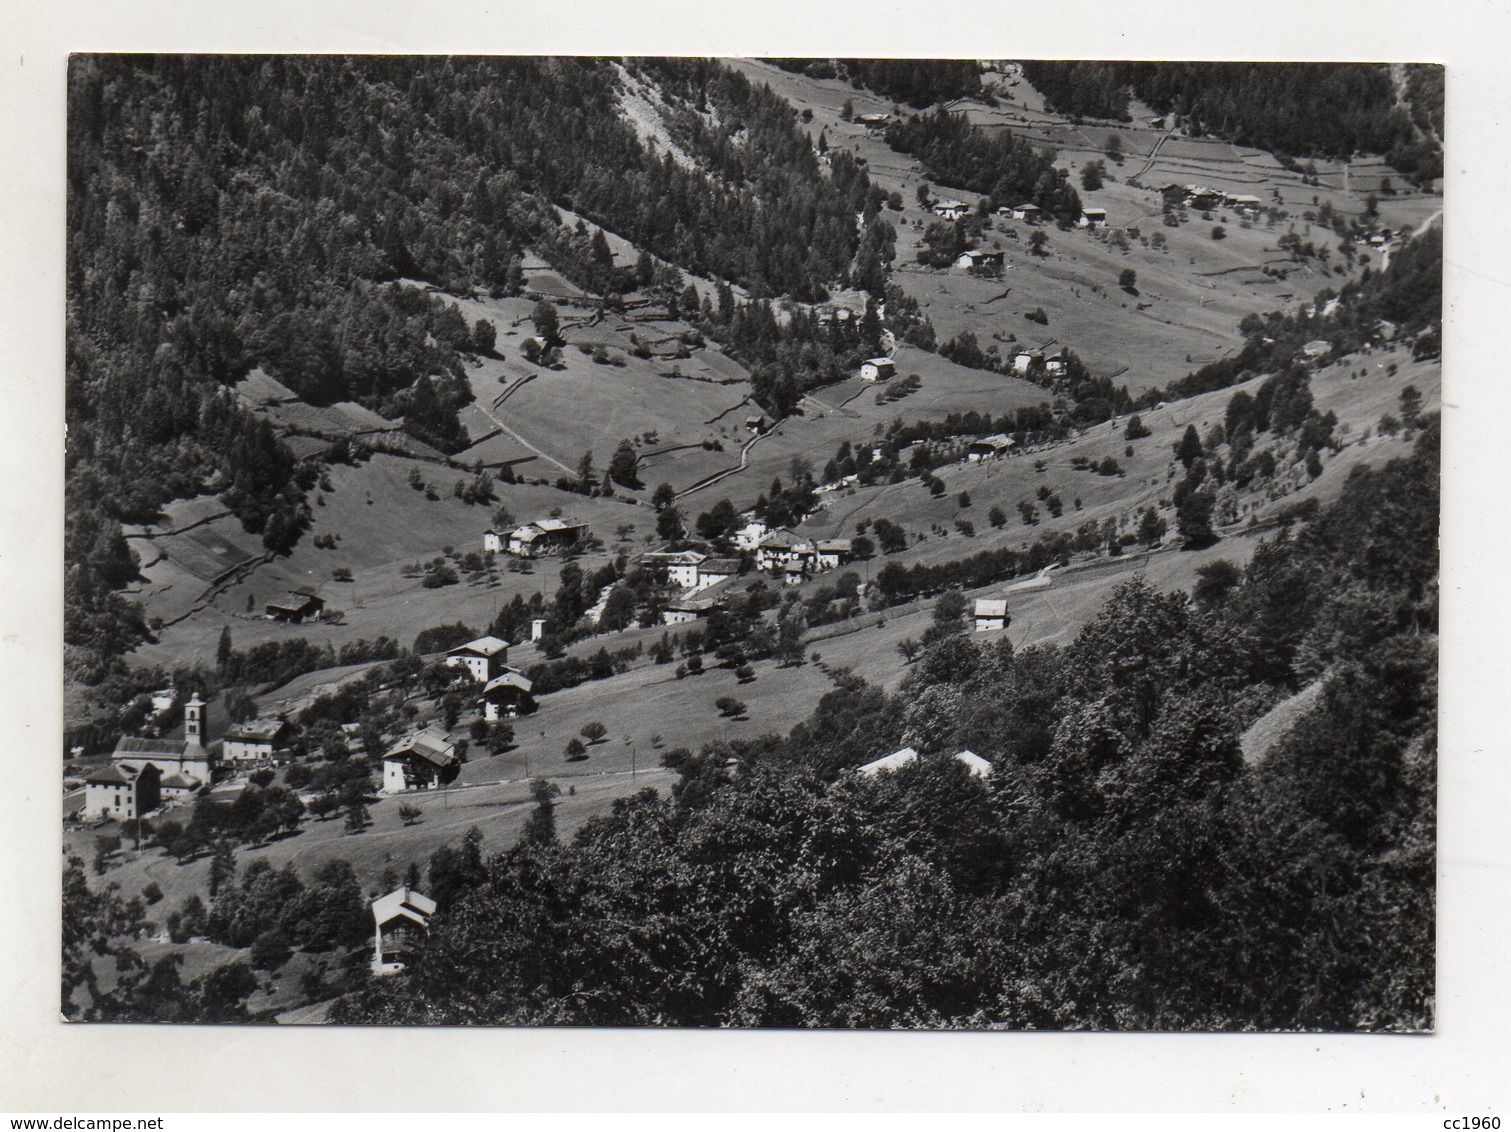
(877,369)
(1029,212)
(1055,364)
(507,696)
(684,610)
(951,209)
(756,424)
(873,120)
(991,614)
(681,566)
(980,261)
(780,548)
(1245,202)
(1202,198)
(422,760)
(717,570)
(1024,360)
(493,543)
(399,922)
(831,553)
(188,757)
(121,792)
(1093,218)
(988,447)
(252,742)
(296,607)
(484,657)
(544,536)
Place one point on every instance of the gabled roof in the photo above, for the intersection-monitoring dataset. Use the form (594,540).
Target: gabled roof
(879,362)
(294,601)
(111,775)
(406,902)
(834,546)
(991,607)
(179,782)
(975,764)
(995,440)
(895,761)
(720,566)
(429,744)
(673,558)
(509,678)
(483,646)
(1025,208)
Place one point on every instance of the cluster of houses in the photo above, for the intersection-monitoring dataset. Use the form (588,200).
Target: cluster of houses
(146,773)
(536,539)
(506,691)
(1204,199)
(1052,361)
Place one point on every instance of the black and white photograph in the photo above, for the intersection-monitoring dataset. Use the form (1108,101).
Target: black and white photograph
(803,543)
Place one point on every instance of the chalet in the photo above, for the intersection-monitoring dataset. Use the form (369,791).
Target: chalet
(252,742)
(717,570)
(980,261)
(493,542)
(685,610)
(750,535)
(1202,198)
(399,923)
(544,536)
(188,757)
(832,553)
(951,209)
(484,658)
(507,696)
(991,614)
(988,447)
(422,760)
(1245,202)
(781,547)
(1386,330)
(1093,218)
(122,792)
(681,566)
(296,607)
(1055,364)
(755,424)
(974,763)
(1023,360)
(795,573)
(1028,212)
(877,369)
(874,121)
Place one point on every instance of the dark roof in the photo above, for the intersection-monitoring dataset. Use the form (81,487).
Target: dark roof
(130,745)
(110,775)
(257,731)
(720,566)
(295,602)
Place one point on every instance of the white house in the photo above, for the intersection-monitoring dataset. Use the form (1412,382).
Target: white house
(877,369)
(1023,360)
(484,658)
(991,614)
(399,922)
(973,762)
(252,742)
(980,260)
(951,209)
(681,566)
(422,760)
(121,792)
(493,543)
(507,696)
(1093,218)
(1055,364)
(1029,212)
(750,535)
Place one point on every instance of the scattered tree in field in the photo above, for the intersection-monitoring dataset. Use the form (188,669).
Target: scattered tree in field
(909,648)
(663,496)
(409,813)
(1113,148)
(744,674)
(540,826)
(1128,280)
(730,707)
(1214,582)
(547,322)
(964,499)
(622,465)
(357,817)
(594,732)
(484,336)
(669,524)
(1136,429)
(1151,528)
(1411,406)
(1219,232)
(997,517)
(575,751)
(1038,242)
(1092,175)
(1193,516)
